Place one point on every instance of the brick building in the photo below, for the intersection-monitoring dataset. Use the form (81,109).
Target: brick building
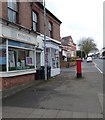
(21,42)
(52,39)
(68,48)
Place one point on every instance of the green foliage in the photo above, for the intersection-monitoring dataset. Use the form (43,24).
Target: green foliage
(78,53)
(21,68)
(2,68)
(73,59)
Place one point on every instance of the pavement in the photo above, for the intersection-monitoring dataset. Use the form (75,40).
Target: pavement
(63,96)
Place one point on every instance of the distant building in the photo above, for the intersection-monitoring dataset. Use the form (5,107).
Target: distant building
(94,53)
(68,48)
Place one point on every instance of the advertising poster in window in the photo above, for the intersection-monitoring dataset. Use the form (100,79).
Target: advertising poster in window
(28,60)
(11,59)
(2,56)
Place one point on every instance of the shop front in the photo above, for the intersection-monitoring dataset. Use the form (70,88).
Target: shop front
(52,56)
(17,57)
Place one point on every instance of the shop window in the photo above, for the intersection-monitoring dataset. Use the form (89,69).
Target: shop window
(55,59)
(34,21)
(50,29)
(12,11)
(38,62)
(72,54)
(19,59)
(2,58)
(2,54)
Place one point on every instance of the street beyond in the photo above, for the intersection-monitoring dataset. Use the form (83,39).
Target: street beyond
(64,96)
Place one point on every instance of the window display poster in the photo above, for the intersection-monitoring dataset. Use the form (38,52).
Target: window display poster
(28,60)
(11,59)
(2,56)
(3,52)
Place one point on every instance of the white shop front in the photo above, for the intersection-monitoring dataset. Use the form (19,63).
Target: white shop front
(17,53)
(52,55)
(53,58)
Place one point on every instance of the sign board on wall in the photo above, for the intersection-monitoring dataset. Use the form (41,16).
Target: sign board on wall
(22,36)
(0,29)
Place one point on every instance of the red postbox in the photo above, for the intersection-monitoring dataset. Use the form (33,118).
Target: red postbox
(79,69)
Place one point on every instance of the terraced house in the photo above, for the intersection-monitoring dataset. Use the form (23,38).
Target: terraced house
(68,48)
(22,42)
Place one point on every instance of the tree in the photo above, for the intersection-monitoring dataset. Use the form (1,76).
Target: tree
(78,53)
(86,45)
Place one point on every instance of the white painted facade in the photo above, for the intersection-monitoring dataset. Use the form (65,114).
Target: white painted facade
(13,34)
(52,53)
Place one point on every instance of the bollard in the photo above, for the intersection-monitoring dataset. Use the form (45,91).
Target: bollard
(79,70)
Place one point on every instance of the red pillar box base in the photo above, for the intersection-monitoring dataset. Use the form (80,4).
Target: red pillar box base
(79,70)
(79,75)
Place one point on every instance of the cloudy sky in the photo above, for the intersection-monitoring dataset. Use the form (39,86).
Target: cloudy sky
(80,18)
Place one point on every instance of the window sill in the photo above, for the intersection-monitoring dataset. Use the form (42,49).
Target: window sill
(16,73)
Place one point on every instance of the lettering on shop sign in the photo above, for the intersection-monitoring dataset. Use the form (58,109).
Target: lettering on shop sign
(23,37)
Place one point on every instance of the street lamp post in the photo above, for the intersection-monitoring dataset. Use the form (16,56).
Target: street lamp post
(81,53)
(45,42)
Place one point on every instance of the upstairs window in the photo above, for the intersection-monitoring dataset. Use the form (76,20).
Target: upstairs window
(34,21)
(50,32)
(12,11)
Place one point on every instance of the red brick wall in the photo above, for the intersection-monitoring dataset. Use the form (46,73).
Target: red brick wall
(56,25)
(9,82)
(25,18)
(65,64)
(3,10)
(56,31)
(25,15)
(1,83)
(0,9)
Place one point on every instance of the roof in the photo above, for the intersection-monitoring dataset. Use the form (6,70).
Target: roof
(64,43)
(67,40)
(67,37)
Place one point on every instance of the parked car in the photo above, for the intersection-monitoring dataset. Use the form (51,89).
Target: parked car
(89,59)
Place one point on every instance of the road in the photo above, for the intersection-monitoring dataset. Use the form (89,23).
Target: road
(64,96)
(100,63)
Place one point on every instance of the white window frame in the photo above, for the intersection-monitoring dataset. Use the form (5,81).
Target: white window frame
(50,29)
(34,21)
(12,11)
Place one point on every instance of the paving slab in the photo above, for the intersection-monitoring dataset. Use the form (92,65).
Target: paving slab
(15,115)
(38,111)
(35,116)
(80,115)
(48,116)
(94,115)
(51,112)
(65,114)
